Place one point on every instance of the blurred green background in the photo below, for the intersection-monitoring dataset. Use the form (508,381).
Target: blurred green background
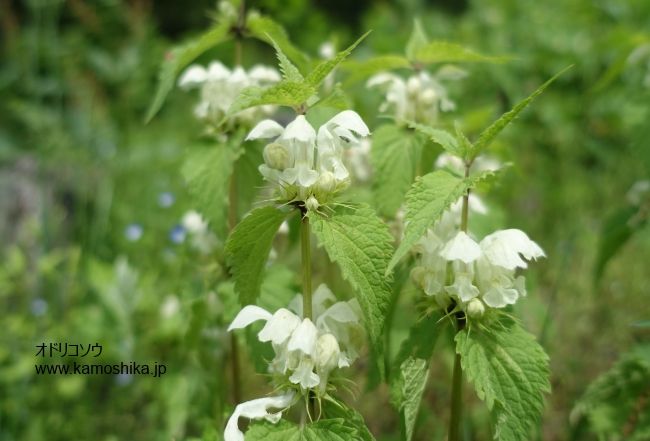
(91,200)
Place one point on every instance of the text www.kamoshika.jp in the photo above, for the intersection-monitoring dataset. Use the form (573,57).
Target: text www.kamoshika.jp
(132,368)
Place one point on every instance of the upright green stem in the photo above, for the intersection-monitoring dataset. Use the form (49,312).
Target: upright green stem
(457,379)
(305,246)
(234,348)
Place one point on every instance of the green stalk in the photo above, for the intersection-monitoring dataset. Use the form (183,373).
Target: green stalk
(305,247)
(457,378)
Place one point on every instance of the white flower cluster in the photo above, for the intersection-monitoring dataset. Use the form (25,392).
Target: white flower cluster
(305,165)
(482,274)
(306,352)
(220,87)
(420,97)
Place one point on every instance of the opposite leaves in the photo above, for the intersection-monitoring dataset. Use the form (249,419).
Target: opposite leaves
(510,372)
(248,247)
(360,243)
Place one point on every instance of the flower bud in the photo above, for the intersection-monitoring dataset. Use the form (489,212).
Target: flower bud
(312,203)
(428,97)
(475,308)
(327,353)
(276,156)
(413,85)
(326,183)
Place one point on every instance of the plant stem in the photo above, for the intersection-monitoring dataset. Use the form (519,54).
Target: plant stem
(234,368)
(305,246)
(457,378)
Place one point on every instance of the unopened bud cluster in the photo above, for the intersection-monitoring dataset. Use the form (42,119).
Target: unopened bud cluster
(307,166)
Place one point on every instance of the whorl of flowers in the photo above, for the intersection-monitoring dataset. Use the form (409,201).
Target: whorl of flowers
(306,351)
(304,165)
(418,98)
(220,87)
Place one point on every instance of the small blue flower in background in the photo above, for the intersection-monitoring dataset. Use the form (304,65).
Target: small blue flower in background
(38,307)
(177,234)
(133,232)
(124,379)
(166,199)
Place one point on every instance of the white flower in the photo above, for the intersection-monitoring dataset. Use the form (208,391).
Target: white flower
(201,238)
(256,409)
(418,98)
(503,248)
(194,223)
(461,247)
(302,162)
(220,87)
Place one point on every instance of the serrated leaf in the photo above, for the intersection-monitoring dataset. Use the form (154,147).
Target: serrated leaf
(446,52)
(615,404)
(352,418)
(289,71)
(441,137)
(207,171)
(394,157)
(178,58)
(265,29)
(488,135)
(318,74)
(510,372)
(337,99)
(360,243)
(247,250)
(417,41)
(284,93)
(322,430)
(426,201)
(359,70)
(248,179)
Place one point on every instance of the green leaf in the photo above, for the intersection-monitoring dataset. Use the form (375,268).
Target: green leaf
(394,157)
(417,41)
(360,243)
(427,200)
(617,230)
(488,135)
(510,372)
(337,99)
(265,29)
(445,139)
(410,371)
(247,249)
(615,405)
(318,74)
(446,52)
(352,418)
(248,179)
(360,70)
(322,430)
(178,58)
(289,71)
(207,171)
(284,93)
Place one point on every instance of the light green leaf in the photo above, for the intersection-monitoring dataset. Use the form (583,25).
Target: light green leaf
(427,200)
(417,41)
(284,93)
(614,405)
(337,99)
(207,171)
(322,430)
(360,70)
(445,139)
(318,74)
(411,382)
(248,247)
(510,372)
(446,52)
(289,71)
(394,157)
(248,179)
(265,29)
(352,418)
(360,243)
(488,135)
(178,58)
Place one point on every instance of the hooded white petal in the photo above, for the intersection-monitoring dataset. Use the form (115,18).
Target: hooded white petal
(248,315)
(499,297)
(265,129)
(217,71)
(264,74)
(300,130)
(350,120)
(503,248)
(304,338)
(304,374)
(256,409)
(192,77)
(279,327)
(461,247)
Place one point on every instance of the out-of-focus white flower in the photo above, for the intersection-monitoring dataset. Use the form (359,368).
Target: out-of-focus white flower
(418,98)
(194,223)
(358,160)
(220,87)
(196,227)
(306,352)
(170,306)
(481,163)
(255,410)
(638,192)
(303,163)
